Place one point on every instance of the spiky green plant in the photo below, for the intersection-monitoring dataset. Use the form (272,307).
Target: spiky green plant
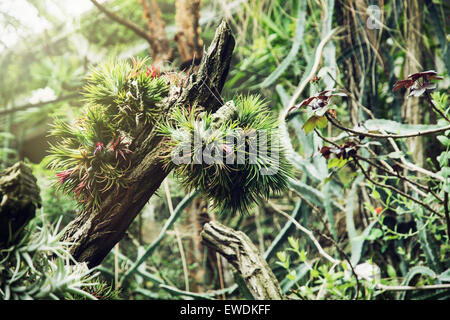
(39,266)
(92,155)
(223,155)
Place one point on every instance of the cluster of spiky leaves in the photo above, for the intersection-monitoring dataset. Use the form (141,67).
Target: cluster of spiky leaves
(93,154)
(38,266)
(215,155)
(131,91)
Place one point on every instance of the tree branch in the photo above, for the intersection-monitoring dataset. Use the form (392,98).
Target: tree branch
(239,250)
(39,104)
(423,204)
(130,25)
(385,136)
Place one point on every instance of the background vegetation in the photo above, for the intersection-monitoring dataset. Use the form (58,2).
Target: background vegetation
(367,225)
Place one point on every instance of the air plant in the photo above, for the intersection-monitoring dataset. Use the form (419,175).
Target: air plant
(233,156)
(92,155)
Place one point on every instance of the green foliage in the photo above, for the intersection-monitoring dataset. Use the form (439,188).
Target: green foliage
(233,175)
(313,280)
(276,50)
(130,92)
(39,266)
(92,155)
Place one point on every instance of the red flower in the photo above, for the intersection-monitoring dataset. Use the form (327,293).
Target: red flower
(64,175)
(152,72)
(119,146)
(378,210)
(98,147)
(417,88)
(80,187)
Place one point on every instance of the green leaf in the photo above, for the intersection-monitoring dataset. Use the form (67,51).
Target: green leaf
(291,275)
(294,243)
(375,194)
(391,271)
(428,243)
(310,124)
(444,276)
(375,233)
(281,256)
(333,162)
(322,122)
(300,272)
(444,140)
(314,273)
(422,270)
(342,162)
(302,256)
(300,27)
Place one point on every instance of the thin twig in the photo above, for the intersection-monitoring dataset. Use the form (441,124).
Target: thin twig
(219,266)
(336,123)
(330,238)
(39,104)
(396,190)
(447,216)
(152,247)
(397,175)
(389,169)
(306,231)
(433,107)
(345,257)
(130,25)
(411,288)
(408,164)
(179,292)
(321,292)
(116,266)
(313,71)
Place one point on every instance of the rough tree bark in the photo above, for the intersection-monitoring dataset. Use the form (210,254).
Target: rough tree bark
(160,46)
(412,112)
(242,254)
(19,199)
(94,234)
(188,33)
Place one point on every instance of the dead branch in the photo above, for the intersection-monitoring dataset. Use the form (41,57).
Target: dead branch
(240,252)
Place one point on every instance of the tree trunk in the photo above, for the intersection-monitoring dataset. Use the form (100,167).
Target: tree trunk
(160,49)
(411,110)
(94,233)
(19,199)
(188,33)
(240,252)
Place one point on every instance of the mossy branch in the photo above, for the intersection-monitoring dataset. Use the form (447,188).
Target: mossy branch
(96,231)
